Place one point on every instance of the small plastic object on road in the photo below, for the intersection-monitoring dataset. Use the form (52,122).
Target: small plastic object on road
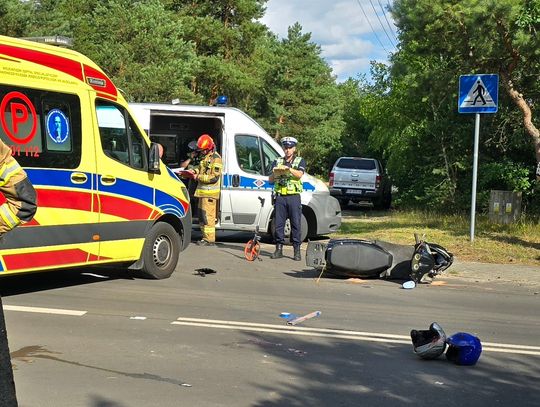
(288,316)
(304,318)
(408,285)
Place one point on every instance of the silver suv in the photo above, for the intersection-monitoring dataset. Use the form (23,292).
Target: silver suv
(360,179)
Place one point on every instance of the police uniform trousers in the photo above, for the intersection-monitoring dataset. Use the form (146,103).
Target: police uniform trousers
(288,206)
(207,218)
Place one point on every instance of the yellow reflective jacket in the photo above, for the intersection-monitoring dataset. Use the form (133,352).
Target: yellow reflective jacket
(209,176)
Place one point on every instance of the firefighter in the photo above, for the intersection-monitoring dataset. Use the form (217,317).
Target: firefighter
(208,177)
(286,174)
(20,205)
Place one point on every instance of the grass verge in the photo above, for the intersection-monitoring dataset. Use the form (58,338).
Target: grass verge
(517,243)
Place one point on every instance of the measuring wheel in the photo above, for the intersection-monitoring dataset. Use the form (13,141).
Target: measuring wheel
(251,250)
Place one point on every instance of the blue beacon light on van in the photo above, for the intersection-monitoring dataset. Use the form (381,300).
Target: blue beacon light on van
(222,100)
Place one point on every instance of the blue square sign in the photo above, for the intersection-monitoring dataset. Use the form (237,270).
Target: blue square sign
(478,93)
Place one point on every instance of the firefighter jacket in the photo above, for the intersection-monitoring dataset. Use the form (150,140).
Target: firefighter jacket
(20,196)
(209,176)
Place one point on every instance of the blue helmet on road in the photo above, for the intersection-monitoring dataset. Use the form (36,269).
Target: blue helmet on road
(463,349)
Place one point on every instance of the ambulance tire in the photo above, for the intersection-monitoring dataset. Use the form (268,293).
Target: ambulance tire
(161,251)
(304,226)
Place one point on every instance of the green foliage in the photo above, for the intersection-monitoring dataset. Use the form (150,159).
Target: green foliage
(157,50)
(305,101)
(412,106)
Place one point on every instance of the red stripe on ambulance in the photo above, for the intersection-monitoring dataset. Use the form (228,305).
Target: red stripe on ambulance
(46,259)
(62,64)
(96,79)
(55,198)
(124,208)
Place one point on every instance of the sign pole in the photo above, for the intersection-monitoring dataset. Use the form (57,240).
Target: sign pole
(478,93)
(475,173)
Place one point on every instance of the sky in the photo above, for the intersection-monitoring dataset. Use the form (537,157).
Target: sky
(348,40)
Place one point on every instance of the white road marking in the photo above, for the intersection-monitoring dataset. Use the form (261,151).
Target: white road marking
(44,310)
(341,334)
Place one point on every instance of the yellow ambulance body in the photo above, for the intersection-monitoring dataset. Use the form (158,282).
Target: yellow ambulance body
(103,194)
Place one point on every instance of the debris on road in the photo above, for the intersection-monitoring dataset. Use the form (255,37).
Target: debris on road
(409,285)
(355,281)
(288,316)
(304,318)
(204,271)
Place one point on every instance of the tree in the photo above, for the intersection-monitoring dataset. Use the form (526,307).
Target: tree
(138,44)
(472,36)
(305,102)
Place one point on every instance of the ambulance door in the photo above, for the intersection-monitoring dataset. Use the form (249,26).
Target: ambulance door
(247,180)
(125,190)
(45,132)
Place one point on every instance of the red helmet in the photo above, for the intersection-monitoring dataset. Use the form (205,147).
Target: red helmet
(205,142)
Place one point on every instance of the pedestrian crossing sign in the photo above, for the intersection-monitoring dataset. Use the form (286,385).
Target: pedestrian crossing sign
(478,93)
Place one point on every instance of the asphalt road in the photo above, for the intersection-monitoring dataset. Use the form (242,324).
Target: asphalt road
(99,338)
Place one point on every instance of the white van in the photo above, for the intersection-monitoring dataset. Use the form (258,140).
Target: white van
(247,152)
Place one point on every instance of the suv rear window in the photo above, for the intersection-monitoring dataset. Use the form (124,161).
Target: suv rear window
(356,164)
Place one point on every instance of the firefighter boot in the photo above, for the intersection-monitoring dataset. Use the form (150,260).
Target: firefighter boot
(278,254)
(297,256)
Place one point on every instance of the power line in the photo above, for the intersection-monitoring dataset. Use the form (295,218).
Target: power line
(380,22)
(387,22)
(367,19)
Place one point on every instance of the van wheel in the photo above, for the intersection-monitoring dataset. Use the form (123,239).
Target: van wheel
(303,226)
(160,251)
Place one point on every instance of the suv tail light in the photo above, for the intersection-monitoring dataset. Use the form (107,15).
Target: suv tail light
(377,181)
(331,179)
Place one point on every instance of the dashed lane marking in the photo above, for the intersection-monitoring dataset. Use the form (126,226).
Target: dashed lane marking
(39,310)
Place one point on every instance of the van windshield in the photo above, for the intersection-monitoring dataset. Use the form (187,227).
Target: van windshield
(356,164)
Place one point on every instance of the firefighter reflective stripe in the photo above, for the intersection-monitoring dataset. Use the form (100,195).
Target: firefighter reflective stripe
(10,168)
(210,190)
(7,217)
(290,186)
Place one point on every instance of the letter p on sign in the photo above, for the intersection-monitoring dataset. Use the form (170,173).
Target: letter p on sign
(22,117)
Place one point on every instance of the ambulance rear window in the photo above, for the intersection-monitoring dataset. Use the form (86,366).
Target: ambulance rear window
(43,128)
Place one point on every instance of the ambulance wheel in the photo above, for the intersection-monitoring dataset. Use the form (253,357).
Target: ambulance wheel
(160,251)
(303,226)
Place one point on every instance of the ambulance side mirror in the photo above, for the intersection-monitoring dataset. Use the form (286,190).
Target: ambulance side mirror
(153,159)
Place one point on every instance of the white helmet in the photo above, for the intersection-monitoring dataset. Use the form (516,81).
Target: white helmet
(429,344)
(289,142)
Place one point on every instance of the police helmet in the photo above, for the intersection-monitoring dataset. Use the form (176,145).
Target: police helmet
(429,344)
(288,142)
(463,349)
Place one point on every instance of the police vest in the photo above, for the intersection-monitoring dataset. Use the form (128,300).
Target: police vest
(288,185)
(209,179)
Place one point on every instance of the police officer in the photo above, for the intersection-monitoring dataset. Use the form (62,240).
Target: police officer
(208,177)
(286,174)
(20,205)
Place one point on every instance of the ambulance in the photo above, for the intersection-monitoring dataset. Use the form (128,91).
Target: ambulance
(247,151)
(103,194)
